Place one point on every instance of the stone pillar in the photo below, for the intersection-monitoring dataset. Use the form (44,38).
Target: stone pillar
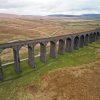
(43,52)
(61,48)
(16,59)
(31,59)
(72,45)
(53,49)
(69,45)
(1,70)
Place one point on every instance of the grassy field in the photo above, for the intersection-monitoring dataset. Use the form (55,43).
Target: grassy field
(16,82)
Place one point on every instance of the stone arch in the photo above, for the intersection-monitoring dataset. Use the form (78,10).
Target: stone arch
(81,44)
(76,42)
(86,41)
(61,46)
(68,45)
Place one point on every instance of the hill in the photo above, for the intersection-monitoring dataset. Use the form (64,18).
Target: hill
(62,15)
(88,16)
(92,16)
(22,27)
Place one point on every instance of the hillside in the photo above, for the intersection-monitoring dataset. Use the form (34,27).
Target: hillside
(84,16)
(92,16)
(15,27)
(81,83)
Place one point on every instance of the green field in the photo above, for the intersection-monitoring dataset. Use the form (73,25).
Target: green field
(14,82)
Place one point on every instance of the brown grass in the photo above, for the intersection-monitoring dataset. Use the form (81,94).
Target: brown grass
(80,83)
(22,29)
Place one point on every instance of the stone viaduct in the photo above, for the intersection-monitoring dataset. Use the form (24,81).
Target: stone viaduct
(67,43)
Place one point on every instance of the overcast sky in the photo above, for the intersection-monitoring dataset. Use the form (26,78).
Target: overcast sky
(45,7)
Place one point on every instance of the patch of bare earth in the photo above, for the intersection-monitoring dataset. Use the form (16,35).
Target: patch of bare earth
(80,83)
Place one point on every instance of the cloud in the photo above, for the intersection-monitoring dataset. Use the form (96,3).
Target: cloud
(44,7)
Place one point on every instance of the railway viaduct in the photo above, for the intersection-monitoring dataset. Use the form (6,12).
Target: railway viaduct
(67,43)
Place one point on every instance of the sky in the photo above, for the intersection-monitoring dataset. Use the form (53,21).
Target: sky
(47,7)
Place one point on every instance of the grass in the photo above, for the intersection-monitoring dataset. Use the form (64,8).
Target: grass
(14,82)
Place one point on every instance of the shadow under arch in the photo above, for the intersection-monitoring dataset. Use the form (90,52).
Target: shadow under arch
(91,38)
(76,42)
(61,46)
(68,45)
(81,43)
(86,40)
(94,37)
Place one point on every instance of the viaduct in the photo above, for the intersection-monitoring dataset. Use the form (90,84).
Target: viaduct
(67,43)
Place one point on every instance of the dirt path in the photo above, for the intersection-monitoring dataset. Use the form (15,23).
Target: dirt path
(77,83)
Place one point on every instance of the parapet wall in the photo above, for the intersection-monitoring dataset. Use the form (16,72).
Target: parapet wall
(67,43)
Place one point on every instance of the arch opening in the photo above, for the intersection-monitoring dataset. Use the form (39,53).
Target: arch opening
(86,39)
(82,41)
(7,56)
(68,45)
(53,49)
(76,42)
(91,38)
(94,37)
(61,46)
(23,56)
